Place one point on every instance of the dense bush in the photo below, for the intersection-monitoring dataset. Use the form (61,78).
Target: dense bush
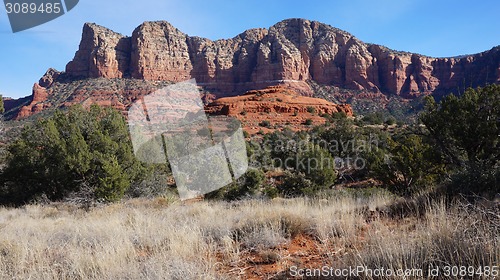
(246,186)
(316,164)
(296,184)
(157,182)
(89,153)
(338,137)
(458,148)
(290,152)
(83,152)
(408,165)
(466,130)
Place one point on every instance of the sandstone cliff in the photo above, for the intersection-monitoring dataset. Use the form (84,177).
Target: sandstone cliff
(102,53)
(294,50)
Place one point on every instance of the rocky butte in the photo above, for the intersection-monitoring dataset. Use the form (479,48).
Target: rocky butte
(294,52)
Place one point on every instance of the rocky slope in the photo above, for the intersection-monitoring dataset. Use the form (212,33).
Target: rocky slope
(65,92)
(296,52)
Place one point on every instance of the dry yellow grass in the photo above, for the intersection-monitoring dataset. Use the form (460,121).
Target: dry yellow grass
(159,239)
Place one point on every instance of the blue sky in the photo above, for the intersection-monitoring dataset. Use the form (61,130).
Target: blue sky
(431,27)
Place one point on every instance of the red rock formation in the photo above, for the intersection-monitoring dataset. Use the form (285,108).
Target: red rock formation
(102,53)
(293,51)
(275,99)
(49,78)
(278,105)
(10,103)
(160,52)
(39,95)
(116,93)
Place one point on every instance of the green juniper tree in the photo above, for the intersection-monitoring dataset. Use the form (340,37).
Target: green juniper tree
(78,151)
(467,131)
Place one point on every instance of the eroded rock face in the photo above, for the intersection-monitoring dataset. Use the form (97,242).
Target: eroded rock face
(39,95)
(37,104)
(278,105)
(102,53)
(49,77)
(293,51)
(160,52)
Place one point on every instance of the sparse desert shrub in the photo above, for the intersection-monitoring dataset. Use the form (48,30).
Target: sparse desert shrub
(339,115)
(327,117)
(373,118)
(262,237)
(390,120)
(265,123)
